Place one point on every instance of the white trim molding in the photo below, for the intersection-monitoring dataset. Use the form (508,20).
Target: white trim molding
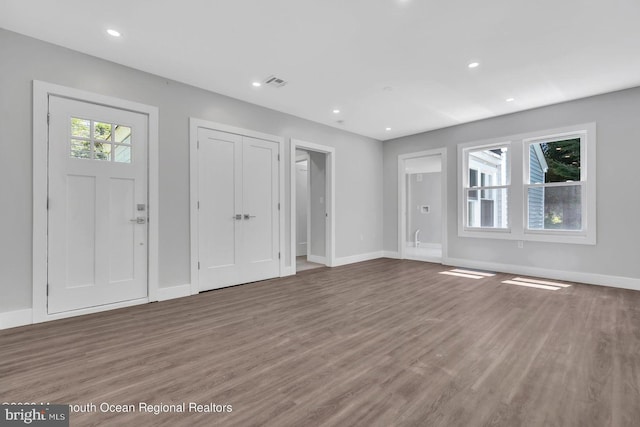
(358,258)
(570,276)
(330,233)
(41,93)
(194,125)
(391,254)
(12,319)
(517,160)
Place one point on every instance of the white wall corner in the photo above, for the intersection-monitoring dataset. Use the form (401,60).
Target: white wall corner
(12,319)
(358,258)
(391,254)
(173,292)
(569,276)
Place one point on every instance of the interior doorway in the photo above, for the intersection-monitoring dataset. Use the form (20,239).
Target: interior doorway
(310,210)
(312,206)
(422,206)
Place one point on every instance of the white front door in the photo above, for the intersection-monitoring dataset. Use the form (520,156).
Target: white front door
(97,205)
(238,217)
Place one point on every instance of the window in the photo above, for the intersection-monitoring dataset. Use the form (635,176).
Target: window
(100,141)
(486,197)
(555,184)
(538,186)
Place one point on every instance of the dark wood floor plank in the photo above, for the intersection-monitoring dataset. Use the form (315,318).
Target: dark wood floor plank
(379,343)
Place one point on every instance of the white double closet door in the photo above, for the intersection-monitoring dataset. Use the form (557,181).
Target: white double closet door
(238,215)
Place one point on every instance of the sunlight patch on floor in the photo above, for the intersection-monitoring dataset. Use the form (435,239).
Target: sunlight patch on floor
(536,283)
(469,274)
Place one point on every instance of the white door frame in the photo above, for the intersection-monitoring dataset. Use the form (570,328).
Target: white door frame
(41,93)
(402,197)
(194,124)
(330,233)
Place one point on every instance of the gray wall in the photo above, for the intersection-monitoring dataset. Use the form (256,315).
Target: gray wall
(428,192)
(618,149)
(318,205)
(358,197)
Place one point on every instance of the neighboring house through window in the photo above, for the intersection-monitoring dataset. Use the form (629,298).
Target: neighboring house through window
(553,174)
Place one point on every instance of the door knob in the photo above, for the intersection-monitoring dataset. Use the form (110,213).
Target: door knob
(139,220)
(247,216)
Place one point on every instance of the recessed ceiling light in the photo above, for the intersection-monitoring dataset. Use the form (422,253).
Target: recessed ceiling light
(336,111)
(256,84)
(510,99)
(387,129)
(113,32)
(473,64)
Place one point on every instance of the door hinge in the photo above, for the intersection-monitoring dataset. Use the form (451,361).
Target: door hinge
(198,265)
(48,117)
(278,205)
(47,203)
(278,157)
(47,289)
(198,204)
(198,144)
(278,255)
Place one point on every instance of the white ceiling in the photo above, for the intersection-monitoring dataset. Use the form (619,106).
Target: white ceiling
(384,63)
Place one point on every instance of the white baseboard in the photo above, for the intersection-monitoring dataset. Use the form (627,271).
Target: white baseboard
(569,276)
(173,292)
(391,254)
(358,258)
(12,319)
(317,259)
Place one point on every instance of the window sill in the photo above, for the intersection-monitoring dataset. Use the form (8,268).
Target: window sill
(573,238)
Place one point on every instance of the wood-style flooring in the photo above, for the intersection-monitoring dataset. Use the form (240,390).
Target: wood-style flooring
(379,343)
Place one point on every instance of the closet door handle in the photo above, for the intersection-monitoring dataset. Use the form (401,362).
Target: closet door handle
(247,216)
(237,217)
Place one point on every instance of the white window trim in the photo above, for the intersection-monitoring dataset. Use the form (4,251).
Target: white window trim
(463,166)
(517,200)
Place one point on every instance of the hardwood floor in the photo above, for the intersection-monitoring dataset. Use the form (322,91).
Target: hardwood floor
(379,343)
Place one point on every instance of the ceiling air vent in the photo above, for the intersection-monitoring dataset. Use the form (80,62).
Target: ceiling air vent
(275,81)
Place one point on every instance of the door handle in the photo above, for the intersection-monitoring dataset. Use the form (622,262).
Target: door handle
(247,216)
(139,220)
(237,217)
